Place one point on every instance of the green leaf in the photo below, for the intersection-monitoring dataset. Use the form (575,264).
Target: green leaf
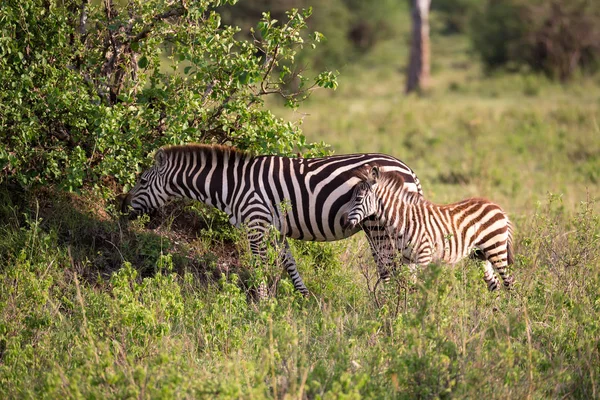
(143,62)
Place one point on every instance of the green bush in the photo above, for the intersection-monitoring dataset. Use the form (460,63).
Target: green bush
(496,32)
(557,38)
(87,90)
(455,14)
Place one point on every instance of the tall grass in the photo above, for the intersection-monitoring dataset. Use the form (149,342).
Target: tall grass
(174,334)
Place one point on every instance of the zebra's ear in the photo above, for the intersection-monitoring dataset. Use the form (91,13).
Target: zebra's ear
(374,175)
(160,158)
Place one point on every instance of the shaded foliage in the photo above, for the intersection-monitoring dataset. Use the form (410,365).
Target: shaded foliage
(558,37)
(455,14)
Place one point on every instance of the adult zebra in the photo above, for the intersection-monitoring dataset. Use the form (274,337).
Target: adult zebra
(251,189)
(424,232)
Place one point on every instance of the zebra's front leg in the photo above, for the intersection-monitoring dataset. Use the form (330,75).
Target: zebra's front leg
(287,259)
(258,240)
(383,249)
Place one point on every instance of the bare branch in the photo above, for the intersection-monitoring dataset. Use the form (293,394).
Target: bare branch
(270,60)
(173,12)
(108,9)
(83,19)
(208,91)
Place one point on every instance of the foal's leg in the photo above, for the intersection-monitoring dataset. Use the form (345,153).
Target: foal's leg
(489,276)
(498,257)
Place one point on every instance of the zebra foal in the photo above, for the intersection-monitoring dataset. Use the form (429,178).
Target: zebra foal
(250,189)
(424,232)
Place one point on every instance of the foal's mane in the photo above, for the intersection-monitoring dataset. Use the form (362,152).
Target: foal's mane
(392,181)
(390,178)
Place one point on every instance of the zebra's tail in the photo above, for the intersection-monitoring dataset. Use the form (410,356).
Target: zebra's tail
(510,252)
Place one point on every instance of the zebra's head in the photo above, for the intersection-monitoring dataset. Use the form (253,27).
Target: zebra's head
(364,199)
(149,193)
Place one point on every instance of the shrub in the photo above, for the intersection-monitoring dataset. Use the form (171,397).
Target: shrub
(455,14)
(495,32)
(557,37)
(87,90)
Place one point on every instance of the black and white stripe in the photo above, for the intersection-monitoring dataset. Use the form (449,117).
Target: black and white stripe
(424,232)
(251,190)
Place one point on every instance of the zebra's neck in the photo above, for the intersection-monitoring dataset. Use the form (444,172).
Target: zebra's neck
(205,173)
(395,205)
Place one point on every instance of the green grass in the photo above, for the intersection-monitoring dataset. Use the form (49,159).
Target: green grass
(93,307)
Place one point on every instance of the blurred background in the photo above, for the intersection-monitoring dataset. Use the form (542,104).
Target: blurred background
(509,108)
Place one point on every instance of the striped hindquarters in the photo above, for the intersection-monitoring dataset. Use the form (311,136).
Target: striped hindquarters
(472,223)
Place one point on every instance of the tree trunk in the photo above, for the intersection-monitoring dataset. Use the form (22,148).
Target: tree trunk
(418,65)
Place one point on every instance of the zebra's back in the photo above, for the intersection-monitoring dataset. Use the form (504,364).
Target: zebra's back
(318,191)
(456,229)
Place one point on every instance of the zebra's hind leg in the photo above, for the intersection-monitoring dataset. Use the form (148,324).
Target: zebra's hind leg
(501,268)
(289,264)
(498,258)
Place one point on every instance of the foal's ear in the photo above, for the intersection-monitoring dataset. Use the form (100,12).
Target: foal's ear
(374,175)
(160,158)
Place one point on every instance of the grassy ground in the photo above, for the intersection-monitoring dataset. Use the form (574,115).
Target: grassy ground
(93,307)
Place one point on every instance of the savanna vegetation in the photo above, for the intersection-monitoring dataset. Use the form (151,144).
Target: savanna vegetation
(94,306)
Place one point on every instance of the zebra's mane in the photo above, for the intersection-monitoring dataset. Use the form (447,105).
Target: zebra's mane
(392,182)
(202,148)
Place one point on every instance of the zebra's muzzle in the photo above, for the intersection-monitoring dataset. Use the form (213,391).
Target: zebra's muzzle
(348,224)
(125,206)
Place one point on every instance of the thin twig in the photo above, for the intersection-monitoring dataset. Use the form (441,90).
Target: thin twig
(173,12)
